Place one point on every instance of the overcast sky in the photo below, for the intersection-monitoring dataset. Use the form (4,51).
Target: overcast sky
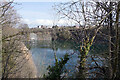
(39,12)
(43,0)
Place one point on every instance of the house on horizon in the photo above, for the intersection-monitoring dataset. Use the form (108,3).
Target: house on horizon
(42,27)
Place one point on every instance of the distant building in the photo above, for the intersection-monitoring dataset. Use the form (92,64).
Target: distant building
(39,26)
(76,26)
(49,26)
(55,26)
(42,27)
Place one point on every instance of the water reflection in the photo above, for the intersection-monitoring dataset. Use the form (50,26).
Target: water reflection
(44,52)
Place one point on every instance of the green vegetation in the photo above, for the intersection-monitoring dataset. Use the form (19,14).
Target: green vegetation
(55,72)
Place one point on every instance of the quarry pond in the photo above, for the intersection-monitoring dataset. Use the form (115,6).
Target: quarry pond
(43,55)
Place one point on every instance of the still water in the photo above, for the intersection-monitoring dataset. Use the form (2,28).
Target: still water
(43,55)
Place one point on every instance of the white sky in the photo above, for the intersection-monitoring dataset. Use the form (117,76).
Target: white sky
(43,0)
(40,13)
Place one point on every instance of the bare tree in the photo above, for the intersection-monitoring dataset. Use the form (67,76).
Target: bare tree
(112,21)
(9,16)
(97,14)
(16,58)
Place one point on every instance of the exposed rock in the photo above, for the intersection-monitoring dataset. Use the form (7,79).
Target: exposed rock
(28,68)
(21,64)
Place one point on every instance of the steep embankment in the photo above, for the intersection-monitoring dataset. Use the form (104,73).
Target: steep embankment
(21,64)
(28,68)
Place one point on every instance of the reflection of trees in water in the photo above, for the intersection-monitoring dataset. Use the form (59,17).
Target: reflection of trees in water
(91,65)
(54,48)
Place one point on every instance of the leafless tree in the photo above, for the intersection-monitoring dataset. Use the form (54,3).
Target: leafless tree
(15,56)
(92,16)
(9,16)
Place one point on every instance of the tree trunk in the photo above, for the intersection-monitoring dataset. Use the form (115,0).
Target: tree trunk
(111,55)
(117,67)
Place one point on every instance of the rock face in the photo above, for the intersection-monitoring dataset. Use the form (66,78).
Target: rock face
(21,64)
(44,37)
(28,68)
(16,55)
(40,36)
(33,36)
